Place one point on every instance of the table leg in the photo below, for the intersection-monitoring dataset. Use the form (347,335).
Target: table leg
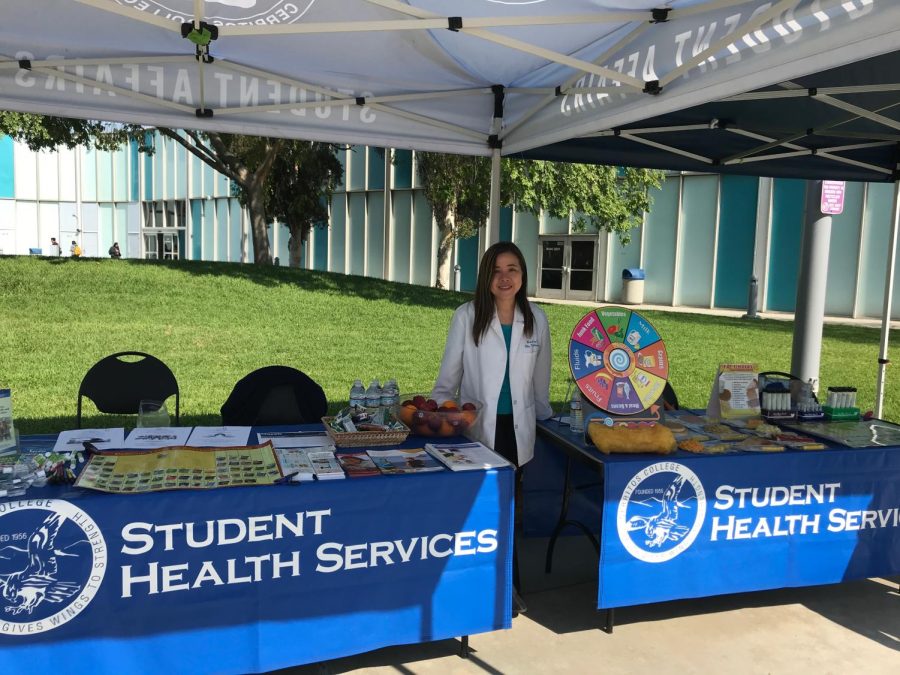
(610,621)
(563,520)
(464,647)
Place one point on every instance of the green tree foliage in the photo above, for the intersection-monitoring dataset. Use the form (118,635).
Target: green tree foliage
(45,132)
(458,189)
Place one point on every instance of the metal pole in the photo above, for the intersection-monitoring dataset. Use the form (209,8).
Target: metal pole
(809,315)
(494,218)
(752,299)
(883,359)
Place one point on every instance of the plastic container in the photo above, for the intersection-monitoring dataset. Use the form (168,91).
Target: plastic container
(390,394)
(576,413)
(357,393)
(373,395)
(427,417)
(633,286)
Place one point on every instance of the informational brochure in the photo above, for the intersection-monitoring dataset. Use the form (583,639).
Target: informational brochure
(179,468)
(102,439)
(295,439)
(407,460)
(150,438)
(325,465)
(7,429)
(295,464)
(735,392)
(466,456)
(218,437)
(357,464)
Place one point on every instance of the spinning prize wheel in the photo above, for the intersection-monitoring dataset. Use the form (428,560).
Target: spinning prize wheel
(618,360)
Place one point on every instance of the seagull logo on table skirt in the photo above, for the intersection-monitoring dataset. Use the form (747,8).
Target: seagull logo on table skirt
(663,526)
(36,582)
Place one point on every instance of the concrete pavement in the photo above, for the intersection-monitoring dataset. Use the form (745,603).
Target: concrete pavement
(844,628)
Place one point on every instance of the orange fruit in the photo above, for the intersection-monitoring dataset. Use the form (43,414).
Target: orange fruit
(450,404)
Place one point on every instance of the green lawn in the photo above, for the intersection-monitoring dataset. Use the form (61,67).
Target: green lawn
(215,322)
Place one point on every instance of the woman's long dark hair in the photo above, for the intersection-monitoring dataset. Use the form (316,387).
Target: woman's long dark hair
(484,300)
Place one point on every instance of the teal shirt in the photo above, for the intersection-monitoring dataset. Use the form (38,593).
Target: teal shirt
(504,404)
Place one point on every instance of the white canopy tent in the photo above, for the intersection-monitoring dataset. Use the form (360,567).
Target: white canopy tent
(480,77)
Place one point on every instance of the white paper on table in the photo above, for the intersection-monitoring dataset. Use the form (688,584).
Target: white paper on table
(102,439)
(218,437)
(294,439)
(149,438)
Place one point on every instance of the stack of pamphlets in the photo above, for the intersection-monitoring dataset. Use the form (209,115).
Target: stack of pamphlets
(325,465)
(466,456)
(295,464)
(358,464)
(411,460)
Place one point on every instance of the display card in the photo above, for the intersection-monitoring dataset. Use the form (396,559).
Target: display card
(179,468)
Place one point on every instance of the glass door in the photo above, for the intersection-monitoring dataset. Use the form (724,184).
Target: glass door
(568,266)
(551,275)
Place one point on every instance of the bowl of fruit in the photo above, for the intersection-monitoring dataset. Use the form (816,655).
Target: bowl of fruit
(427,417)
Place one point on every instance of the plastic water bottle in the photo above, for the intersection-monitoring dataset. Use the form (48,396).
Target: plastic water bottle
(357,393)
(390,393)
(576,413)
(373,395)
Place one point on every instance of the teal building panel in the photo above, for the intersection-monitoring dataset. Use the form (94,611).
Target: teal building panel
(120,226)
(121,180)
(237,234)
(7,169)
(356,231)
(374,233)
(357,167)
(874,258)
(106,220)
(555,225)
(467,257)
(222,229)
(506,223)
(697,234)
(159,163)
(196,170)
(659,228)
(376,169)
(179,171)
(401,206)
(788,197)
(843,253)
(169,160)
(282,250)
(421,241)
(104,176)
(209,222)
(526,238)
(336,242)
(737,239)
(196,225)
(403,169)
(149,163)
(134,185)
(89,175)
(320,237)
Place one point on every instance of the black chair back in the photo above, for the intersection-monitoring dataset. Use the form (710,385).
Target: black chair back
(669,397)
(275,395)
(119,382)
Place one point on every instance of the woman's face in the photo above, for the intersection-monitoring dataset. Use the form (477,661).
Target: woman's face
(507,277)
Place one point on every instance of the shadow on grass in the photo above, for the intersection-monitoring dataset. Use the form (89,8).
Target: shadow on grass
(317,281)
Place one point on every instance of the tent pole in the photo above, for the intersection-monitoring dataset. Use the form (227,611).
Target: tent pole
(494,217)
(809,314)
(883,359)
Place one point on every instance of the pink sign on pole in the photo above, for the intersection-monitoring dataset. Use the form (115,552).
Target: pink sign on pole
(832,197)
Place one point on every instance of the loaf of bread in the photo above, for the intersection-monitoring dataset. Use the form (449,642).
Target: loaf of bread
(653,438)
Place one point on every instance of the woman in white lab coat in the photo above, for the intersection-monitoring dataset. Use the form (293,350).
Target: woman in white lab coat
(498,355)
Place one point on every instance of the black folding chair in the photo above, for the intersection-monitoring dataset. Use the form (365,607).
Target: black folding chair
(274,395)
(119,382)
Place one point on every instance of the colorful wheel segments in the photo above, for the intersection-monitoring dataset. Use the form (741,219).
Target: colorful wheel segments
(618,360)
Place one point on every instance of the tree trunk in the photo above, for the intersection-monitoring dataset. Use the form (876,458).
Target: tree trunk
(446,238)
(256,205)
(295,246)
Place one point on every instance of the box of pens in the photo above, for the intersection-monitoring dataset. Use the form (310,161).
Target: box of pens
(841,404)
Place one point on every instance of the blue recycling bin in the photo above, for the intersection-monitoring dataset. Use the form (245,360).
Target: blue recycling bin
(632,286)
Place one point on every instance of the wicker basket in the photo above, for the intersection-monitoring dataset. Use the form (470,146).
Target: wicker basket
(358,439)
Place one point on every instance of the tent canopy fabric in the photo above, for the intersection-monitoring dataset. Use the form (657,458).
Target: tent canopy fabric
(462,76)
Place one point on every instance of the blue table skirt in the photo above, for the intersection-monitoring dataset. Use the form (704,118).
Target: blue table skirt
(685,525)
(250,579)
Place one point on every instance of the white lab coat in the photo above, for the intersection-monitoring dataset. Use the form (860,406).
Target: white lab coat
(476,373)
